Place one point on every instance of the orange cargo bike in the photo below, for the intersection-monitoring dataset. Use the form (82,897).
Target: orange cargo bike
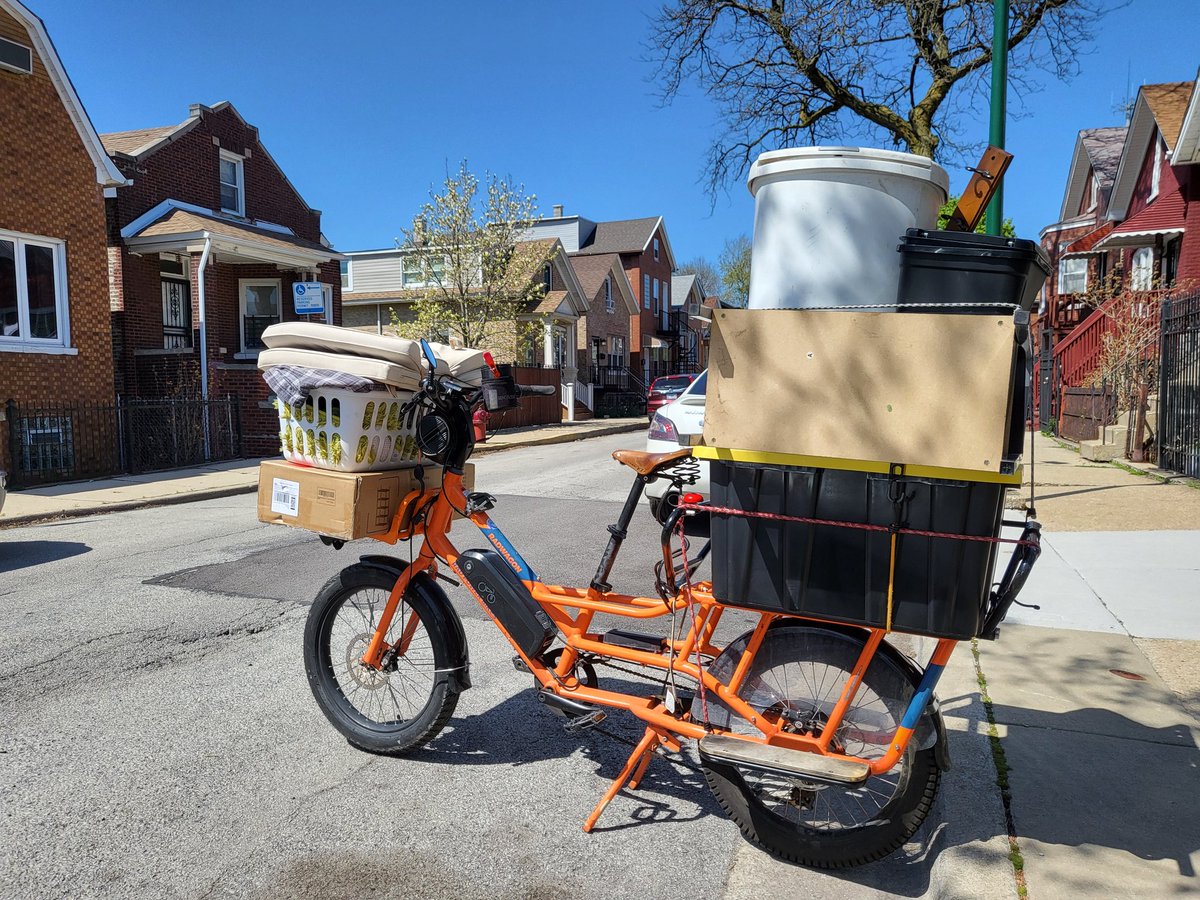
(820,740)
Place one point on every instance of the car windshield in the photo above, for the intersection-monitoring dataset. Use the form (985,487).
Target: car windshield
(674,383)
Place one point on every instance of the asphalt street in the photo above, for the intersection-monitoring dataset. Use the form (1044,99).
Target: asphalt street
(158,737)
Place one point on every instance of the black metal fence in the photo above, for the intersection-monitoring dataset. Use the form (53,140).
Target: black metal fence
(1179,385)
(70,442)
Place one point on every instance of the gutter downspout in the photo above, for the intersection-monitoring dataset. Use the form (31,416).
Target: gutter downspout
(204,341)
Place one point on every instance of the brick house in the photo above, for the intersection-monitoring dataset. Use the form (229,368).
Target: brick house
(55,338)
(604,337)
(646,256)
(204,245)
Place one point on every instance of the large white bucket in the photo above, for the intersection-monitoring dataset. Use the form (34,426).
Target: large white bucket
(827,221)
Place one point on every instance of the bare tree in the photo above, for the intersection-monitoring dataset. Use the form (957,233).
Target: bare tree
(784,72)
(706,274)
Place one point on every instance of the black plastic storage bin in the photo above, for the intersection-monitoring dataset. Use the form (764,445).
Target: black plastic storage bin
(942,586)
(955,267)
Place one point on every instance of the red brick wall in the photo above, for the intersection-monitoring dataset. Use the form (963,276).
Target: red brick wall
(48,187)
(1188,274)
(602,324)
(188,169)
(637,265)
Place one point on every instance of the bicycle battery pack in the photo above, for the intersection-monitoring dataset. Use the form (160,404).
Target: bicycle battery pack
(507,598)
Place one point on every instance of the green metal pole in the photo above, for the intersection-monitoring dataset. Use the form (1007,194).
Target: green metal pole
(995,210)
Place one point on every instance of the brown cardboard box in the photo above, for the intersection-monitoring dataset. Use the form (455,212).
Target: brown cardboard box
(343,505)
(927,389)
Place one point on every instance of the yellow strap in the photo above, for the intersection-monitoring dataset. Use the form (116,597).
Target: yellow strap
(891,582)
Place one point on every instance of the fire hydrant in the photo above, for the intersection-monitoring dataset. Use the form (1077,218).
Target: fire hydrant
(480,421)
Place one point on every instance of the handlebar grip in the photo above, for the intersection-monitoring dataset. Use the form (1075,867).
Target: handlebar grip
(545,390)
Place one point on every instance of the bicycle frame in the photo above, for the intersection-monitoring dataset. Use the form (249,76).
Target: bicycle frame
(573,609)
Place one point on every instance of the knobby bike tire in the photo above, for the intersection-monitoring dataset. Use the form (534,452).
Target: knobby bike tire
(413,710)
(914,781)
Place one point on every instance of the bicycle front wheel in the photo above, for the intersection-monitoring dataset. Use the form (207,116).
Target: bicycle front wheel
(404,703)
(798,675)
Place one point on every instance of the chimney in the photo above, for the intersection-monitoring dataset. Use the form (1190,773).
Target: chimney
(558,211)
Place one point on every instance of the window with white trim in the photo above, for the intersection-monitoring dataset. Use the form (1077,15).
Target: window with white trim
(1093,190)
(233,184)
(646,291)
(1072,275)
(417,271)
(548,277)
(616,352)
(655,296)
(1156,171)
(609,305)
(33,292)
(16,57)
(261,306)
(656,249)
(1141,270)
(347,281)
(176,301)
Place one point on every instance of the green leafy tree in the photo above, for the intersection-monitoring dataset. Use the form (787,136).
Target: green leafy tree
(473,275)
(735,271)
(789,72)
(947,210)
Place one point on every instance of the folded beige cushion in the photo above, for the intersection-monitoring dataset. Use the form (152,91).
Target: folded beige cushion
(334,339)
(398,376)
(463,364)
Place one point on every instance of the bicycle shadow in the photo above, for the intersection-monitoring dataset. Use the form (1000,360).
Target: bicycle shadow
(485,739)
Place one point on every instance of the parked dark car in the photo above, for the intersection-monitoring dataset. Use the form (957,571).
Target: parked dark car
(665,389)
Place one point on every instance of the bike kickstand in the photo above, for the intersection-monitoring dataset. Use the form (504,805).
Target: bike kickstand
(633,772)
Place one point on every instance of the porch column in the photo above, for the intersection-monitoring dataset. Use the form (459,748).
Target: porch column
(571,353)
(547,343)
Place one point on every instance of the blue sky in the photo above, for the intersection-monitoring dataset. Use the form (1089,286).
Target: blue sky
(366,104)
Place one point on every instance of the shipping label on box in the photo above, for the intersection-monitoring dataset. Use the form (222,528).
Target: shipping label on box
(285,497)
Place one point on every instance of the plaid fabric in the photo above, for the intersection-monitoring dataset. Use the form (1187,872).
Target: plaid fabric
(292,384)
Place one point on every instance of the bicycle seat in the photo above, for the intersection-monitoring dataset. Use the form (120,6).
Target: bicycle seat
(645,463)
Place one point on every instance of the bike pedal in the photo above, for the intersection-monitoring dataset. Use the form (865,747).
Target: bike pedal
(583,723)
(521,666)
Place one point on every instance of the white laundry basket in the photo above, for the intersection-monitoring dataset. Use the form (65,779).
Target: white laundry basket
(828,220)
(349,432)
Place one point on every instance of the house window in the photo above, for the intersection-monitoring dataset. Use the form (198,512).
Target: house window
(616,352)
(1072,275)
(646,291)
(16,57)
(656,249)
(33,294)
(548,278)
(233,184)
(344,266)
(1170,263)
(417,271)
(1093,191)
(608,297)
(666,302)
(656,296)
(47,445)
(1156,172)
(1141,272)
(260,307)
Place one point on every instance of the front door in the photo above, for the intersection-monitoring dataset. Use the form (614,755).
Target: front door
(177,314)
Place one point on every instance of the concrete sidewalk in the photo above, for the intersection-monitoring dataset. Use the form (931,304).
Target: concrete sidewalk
(238,477)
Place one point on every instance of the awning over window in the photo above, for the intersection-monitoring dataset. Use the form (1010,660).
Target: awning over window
(184,231)
(1162,217)
(1086,245)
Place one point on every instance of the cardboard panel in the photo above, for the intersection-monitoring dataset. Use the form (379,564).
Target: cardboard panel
(919,389)
(344,505)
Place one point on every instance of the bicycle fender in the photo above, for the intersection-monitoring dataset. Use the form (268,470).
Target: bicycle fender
(450,622)
(925,736)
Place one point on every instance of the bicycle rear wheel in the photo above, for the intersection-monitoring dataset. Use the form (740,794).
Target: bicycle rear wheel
(410,698)
(798,674)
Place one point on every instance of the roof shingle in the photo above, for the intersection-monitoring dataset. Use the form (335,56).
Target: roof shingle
(129,142)
(592,270)
(622,236)
(1169,104)
(180,221)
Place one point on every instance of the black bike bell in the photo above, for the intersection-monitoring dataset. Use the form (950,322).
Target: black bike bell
(433,434)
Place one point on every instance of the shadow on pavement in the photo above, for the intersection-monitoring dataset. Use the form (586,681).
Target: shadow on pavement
(16,555)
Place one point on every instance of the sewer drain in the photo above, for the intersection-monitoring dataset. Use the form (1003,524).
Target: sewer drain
(1132,676)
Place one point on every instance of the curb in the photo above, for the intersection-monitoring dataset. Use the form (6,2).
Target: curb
(217,493)
(564,438)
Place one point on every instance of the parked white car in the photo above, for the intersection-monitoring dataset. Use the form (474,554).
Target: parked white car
(671,427)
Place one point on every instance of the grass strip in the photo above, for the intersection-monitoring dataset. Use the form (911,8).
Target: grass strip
(1001,764)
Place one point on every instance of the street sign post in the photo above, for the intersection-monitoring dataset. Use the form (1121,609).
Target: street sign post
(308,298)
